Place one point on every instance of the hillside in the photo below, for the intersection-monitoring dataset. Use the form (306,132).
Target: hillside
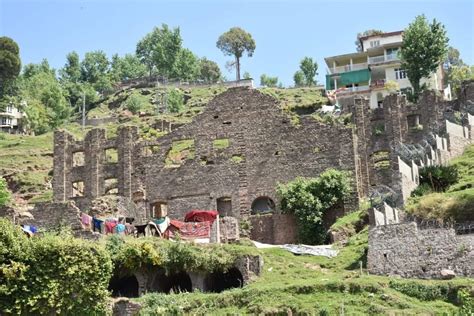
(26,161)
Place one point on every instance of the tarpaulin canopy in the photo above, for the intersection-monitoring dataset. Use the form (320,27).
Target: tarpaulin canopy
(201,216)
(191,230)
(347,78)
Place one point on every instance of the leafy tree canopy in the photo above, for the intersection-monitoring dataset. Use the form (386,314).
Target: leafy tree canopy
(127,67)
(299,79)
(209,71)
(10,63)
(95,70)
(424,47)
(186,66)
(235,42)
(72,69)
(268,81)
(306,76)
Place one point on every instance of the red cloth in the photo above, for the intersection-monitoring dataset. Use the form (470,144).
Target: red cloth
(190,230)
(201,216)
(109,227)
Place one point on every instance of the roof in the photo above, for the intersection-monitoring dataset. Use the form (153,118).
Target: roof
(381,35)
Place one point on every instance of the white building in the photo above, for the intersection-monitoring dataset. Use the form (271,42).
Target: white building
(367,72)
(10,119)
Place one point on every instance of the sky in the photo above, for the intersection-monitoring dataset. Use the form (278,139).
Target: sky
(284,31)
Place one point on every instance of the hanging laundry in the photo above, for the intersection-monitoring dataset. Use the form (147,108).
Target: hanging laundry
(109,226)
(129,220)
(97,224)
(201,216)
(120,229)
(129,229)
(141,229)
(86,221)
(162,223)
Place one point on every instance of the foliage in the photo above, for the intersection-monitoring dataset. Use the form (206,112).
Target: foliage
(457,74)
(186,66)
(247,75)
(95,70)
(466,300)
(126,67)
(53,274)
(299,79)
(159,49)
(209,71)
(10,63)
(363,34)
(309,68)
(235,42)
(309,198)
(175,100)
(220,143)
(268,81)
(136,103)
(391,86)
(424,47)
(425,292)
(439,178)
(72,69)
(4,192)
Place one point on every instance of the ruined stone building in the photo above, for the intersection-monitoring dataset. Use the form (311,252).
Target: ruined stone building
(229,158)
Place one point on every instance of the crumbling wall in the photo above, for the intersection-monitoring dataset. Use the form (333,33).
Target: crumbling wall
(409,251)
(52,216)
(274,228)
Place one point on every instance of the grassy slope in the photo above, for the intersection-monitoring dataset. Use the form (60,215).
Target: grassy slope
(457,202)
(307,285)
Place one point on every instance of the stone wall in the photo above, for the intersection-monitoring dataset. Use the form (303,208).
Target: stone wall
(409,251)
(52,216)
(274,228)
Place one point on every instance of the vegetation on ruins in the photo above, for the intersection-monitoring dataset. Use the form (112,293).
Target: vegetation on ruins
(424,47)
(209,71)
(236,42)
(306,75)
(5,195)
(309,198)
(52,274)
(267,81)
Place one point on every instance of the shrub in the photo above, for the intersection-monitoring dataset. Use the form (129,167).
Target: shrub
(4,192)
(309,198)
(175,100)
(54,274)
(439,178)
(136,103)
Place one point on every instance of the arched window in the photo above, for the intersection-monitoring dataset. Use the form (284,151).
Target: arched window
(263,204)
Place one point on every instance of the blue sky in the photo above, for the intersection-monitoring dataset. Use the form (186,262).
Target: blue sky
(284,31)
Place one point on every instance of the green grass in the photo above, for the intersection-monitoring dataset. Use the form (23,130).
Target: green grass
(221,143)
(307,285)
(180,150)
(297,98)
(457,202)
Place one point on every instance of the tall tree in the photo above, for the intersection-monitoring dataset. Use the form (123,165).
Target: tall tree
(95,70)
(209,71)
(298,78)
(309,68)
(235,42)
(126,67)
(72,69)
(159,49)
(363,34)
(10,63)
(186,66)
(424,47)
(268,81)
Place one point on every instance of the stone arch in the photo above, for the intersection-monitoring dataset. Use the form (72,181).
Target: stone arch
(126,286)
(175,282)
(221,281)
(263,204)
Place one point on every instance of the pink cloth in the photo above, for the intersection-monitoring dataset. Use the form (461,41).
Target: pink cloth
(109,227)
(86,221)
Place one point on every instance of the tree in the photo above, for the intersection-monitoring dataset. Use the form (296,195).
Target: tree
(424,47)
(457,74)
(363,34)
(4,192)
(159,49)
(72,69)
(95,70)
(31,70)
(10,63)
(247,75)
(268,81)
(453,58)
(298,78)
(209,71)
(186,66)
(235,42)
(175,100)
(126,67)
(308,72)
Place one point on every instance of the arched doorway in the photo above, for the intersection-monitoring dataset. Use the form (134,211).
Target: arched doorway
(224,206)
(263,204)
(221,281)
(177,283)
(124,286)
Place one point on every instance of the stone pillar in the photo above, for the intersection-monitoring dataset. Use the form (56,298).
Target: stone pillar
(361,118)
(127,137)
(94,160)
(62,165)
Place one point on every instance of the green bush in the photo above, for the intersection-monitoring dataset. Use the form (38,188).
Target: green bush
(175,100)
(309,198)
(424,292)
(4,192)
(52,274)
(135,103)
(439,178)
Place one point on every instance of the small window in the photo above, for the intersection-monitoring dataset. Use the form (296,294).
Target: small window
(111,155)
(263,205)
(224,206)
(78,159)
(158,209)
(78,188)
(400,74)
(375,43)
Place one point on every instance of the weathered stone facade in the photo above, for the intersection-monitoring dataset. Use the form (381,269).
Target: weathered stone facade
(261,149)
(409,251)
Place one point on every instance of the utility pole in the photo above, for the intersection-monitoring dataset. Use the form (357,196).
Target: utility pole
(83,109)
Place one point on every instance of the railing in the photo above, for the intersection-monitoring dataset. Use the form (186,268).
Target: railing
(347,68)
(380,83)
(353,89)
(382,58)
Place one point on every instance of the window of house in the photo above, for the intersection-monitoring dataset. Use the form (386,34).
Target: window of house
(6,121)
(78,188)
(9,109)
(375,43)
(400,74)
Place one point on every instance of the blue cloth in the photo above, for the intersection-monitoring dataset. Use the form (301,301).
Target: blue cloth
(120,228)
(97,224)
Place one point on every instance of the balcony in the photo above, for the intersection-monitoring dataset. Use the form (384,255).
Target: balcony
(383,59)
(347,68)
(353,89)
(379,83)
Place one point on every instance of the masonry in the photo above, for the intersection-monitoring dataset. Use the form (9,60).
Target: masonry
(230,158)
